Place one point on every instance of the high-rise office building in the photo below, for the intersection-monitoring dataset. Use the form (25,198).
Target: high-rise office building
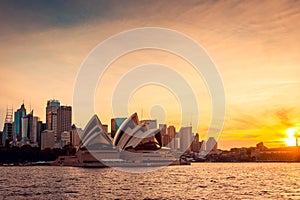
(27,127)
(75,136)
(164,135)
(51,114)
(171,133)
(34,132)
(64,120)
(40,128)
(21,112)
(186,138)
(196,145)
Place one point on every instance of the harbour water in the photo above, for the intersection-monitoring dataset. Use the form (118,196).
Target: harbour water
(197,181)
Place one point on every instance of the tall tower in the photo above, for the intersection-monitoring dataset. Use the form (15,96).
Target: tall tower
(171,134)
(27,127)
(21,112)
(186,138)
(51,115)
(164,135)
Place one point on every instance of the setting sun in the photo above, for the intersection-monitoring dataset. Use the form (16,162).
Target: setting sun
(291,140)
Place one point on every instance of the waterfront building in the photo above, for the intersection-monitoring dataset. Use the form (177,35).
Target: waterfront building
(115,125)
(196,145)
(261,146)
(47,139)
(21,112)
(136,135)
(164,134)
(65,138)
(75,136)
(40,128)
(171,133)
(94,136)
(186,138)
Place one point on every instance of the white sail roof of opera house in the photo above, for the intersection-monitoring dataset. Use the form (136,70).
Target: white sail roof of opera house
(141,136)
(131,133)
(94,133)
(129,124)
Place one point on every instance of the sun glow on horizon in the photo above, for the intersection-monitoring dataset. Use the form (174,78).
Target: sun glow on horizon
(291,133)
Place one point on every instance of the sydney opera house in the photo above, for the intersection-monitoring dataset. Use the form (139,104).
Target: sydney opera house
(134,144)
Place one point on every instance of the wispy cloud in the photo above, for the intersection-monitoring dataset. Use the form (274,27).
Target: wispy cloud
(253,43)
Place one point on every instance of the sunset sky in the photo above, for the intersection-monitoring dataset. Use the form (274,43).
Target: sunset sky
(255,45)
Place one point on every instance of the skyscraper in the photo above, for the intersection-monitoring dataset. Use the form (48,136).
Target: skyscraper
(196,145)
(75,136)
(27,127)
(40,128)
(171,134)
(21,112)
(186,138)
(34,132)
(51,114)
(64,120)
(164,135)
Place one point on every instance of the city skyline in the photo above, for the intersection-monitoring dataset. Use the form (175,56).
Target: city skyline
(152,123)
(256,50)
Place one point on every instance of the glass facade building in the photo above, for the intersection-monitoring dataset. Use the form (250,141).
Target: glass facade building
(21,112)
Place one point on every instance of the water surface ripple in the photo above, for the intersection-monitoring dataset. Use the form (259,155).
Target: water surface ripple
(198,181)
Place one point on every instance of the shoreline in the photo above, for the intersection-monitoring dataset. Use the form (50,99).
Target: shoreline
(104,166)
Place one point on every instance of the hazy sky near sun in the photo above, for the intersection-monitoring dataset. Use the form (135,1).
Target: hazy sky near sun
(254,44)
